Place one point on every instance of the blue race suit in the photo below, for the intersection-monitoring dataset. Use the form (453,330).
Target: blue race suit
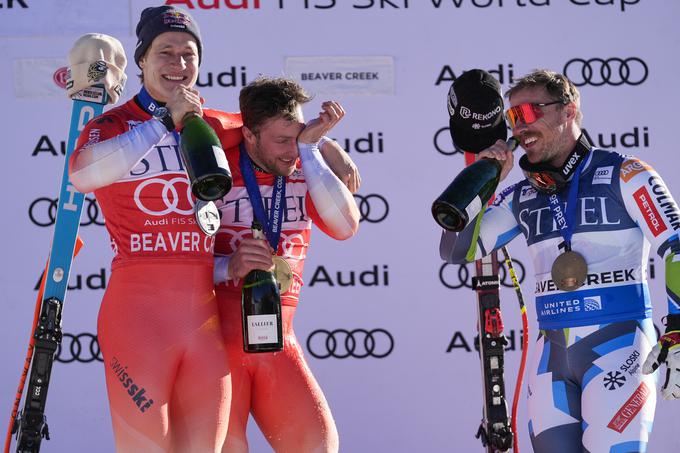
(586,389)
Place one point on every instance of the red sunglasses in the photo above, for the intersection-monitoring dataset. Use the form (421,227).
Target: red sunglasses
(528,113)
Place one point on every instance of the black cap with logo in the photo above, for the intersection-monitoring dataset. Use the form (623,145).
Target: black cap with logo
(475,104)
(155,20)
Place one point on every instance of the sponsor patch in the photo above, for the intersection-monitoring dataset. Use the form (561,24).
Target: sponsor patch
(592,303)
(527,193)
(649,211)
(631,167)
(603,175)
(630,409)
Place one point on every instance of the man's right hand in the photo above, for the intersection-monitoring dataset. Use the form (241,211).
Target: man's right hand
(249,255)
(501,152)
(183,100)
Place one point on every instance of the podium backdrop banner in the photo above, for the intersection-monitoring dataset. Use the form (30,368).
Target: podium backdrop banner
(387,328)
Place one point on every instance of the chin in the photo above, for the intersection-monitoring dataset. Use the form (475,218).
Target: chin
(287,171)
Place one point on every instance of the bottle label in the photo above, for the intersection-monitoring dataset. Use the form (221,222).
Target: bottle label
(220,157)
(262,329)
(473,209)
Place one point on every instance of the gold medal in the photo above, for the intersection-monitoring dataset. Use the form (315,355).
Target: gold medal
(569,271)
(282,273)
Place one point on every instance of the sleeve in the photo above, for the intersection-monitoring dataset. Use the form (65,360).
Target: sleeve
(650,203)
(332,205)
(491,230)
(105,151)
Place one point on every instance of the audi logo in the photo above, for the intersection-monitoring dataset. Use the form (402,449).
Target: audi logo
(83,348)
(357,343)
(170,197)
(463,278)
(373,208)
(445,148)
(43,212)
(612,71)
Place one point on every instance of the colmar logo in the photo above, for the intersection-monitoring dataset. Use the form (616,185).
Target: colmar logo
(652,217)
(630,409)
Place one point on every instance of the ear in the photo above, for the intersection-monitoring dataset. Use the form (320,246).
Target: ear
(570,110)
(249,136)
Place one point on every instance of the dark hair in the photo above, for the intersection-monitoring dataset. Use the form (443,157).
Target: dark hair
(269,97)
(558,86)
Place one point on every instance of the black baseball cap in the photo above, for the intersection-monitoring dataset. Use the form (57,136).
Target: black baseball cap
(475,104)
(155,20)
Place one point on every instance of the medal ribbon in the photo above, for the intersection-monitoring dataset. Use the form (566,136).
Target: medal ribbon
(566,219)
(150,105)
(271,225)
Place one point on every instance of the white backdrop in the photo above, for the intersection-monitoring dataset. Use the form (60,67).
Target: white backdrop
(424,395)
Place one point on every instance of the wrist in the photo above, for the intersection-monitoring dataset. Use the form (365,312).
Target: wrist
(163,115)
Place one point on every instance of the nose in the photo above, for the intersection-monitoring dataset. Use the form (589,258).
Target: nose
(179,61)
(520,126)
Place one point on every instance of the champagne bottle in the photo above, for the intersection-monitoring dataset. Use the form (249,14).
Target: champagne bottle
(204,159)
(261,308)
(468,193)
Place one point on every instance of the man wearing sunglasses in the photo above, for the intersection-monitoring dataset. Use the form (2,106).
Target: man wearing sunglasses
(590,218)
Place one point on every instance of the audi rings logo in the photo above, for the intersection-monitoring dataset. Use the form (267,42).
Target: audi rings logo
(357,343)
(43,212)
(373,208)
(463,277)
(612,71)
(443,143)
(83,348)
(170,197)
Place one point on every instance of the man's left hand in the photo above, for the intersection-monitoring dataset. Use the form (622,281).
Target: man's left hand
(666,351)
(331,113)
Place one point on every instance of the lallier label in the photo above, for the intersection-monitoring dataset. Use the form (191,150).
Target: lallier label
(262,329)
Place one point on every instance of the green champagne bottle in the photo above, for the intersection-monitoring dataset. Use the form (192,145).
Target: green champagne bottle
(261,308)
(204,159)
(468,193)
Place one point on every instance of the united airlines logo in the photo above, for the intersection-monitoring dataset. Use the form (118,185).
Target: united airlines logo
(592,303)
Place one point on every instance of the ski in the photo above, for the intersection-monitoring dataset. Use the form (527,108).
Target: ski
(495,430)
(30,424)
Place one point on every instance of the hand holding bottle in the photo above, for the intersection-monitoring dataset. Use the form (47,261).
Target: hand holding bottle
(250,254)
(468,194)
(183,101)
(502,152)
